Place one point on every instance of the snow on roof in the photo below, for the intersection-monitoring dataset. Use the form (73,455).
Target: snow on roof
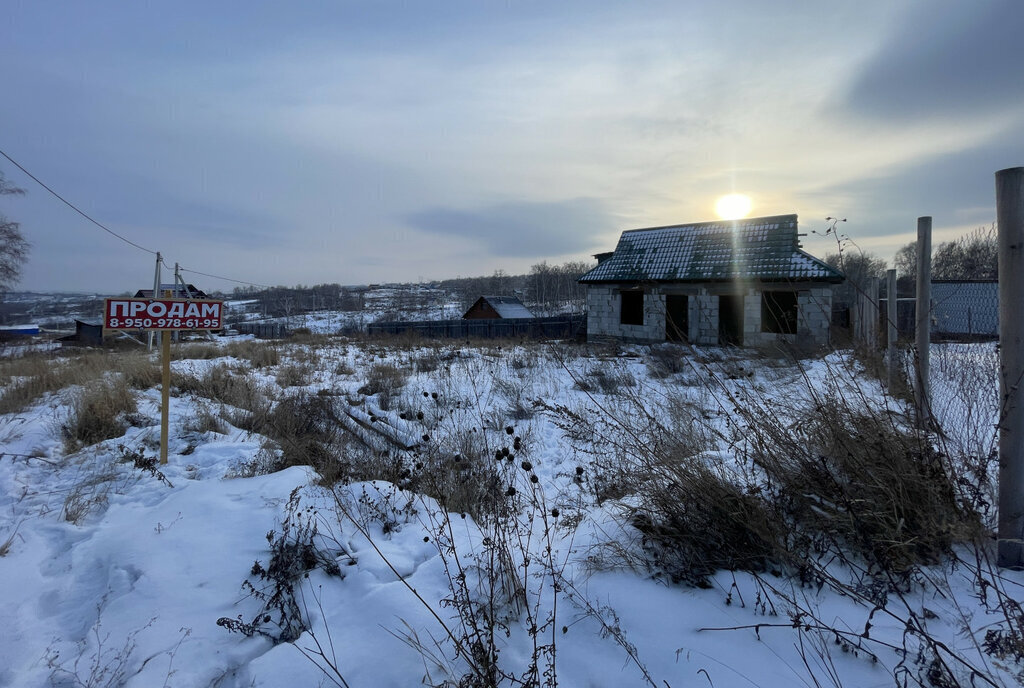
(763,248)
(508,306)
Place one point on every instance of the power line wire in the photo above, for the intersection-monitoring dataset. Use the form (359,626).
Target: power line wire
(227,279)
(73,207)
(112,232)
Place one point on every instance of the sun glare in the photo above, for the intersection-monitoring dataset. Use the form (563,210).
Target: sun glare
(733,206)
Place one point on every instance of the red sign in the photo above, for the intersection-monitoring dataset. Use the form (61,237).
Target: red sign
(163,314)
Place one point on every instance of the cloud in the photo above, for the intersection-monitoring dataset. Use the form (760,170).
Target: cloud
(523,229)
(947,59)
(956,189)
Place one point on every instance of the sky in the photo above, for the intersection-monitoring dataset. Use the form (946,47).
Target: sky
(281,143)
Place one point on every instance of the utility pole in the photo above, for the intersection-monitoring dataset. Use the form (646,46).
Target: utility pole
(924,317)
(1010,219)
(156,295)
(178,279)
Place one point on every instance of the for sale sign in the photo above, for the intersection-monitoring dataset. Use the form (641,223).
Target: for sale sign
(163,314)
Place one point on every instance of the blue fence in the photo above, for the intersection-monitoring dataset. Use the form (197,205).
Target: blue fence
(965,308)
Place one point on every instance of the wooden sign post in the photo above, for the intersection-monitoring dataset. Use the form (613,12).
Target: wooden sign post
(165,316)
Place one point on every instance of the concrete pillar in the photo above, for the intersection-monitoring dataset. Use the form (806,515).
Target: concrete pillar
(1010,219)
(892,333)
(924,316)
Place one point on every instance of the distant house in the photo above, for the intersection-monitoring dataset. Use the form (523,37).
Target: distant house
(743,282)
(18,331)
(173,291)
(86,334)
(492,307)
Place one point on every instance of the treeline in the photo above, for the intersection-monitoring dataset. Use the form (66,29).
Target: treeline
(547,289)
(284,302)
(974,256)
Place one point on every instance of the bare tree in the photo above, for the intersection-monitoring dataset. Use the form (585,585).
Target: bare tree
(972,256)
(858,267)
(905,261)
(13,246)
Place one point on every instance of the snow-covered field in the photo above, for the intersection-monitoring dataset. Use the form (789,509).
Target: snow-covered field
(117,571)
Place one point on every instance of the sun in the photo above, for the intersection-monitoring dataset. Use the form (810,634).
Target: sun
(733,206)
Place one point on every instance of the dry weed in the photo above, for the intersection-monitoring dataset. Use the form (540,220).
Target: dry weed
(98,414)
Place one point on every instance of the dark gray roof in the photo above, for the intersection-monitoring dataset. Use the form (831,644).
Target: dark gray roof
(508,306)
(757,248)
(176,291)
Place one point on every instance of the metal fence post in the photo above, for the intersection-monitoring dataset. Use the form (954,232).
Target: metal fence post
(924,316)
(1010,220)
(872,314)
(892,334)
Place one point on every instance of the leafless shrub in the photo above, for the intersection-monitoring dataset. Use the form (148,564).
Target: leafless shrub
(386,381)
(515,392)
(308,352)
(225,384)
(195,351)
(304,427)
(259,353)
(97,414)
(100,476)
(505,582)
(666,360)
(854,475)
(294,551)
(266,460)
(428,361)
(465,481)
(28,378)
(605,380)
(205,420)
(97,664)
(88,494)
(692,519)
(695,521)
(294,375)
(139,371)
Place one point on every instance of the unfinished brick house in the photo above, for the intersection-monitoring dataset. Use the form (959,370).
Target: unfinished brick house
(736,282)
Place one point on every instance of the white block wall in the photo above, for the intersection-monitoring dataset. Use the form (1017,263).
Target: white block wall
(604,303)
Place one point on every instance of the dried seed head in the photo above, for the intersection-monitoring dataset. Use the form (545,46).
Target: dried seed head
(527,466)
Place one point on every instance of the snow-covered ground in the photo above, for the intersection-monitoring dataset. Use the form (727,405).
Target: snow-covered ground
(114,571)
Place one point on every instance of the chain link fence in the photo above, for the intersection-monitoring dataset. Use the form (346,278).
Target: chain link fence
(965,309)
